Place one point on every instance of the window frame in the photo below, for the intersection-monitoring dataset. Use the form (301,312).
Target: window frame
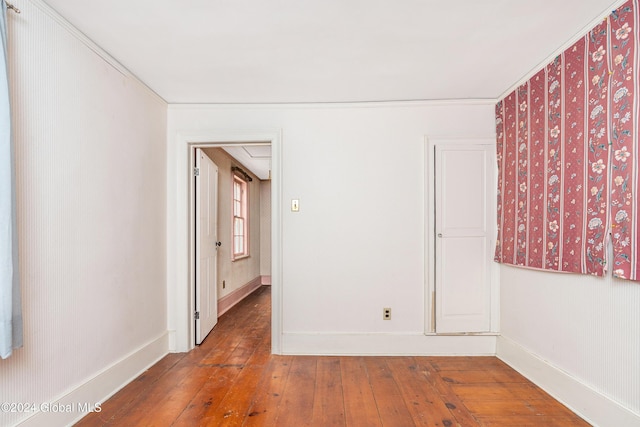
(243,202)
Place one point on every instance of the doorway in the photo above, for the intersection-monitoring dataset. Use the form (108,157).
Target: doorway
(180,246)
(236,239)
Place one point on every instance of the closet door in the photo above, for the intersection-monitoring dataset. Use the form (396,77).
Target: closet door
(463,175)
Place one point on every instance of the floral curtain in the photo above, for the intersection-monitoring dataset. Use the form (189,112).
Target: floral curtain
(566,145)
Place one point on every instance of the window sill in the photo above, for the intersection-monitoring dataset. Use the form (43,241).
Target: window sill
(239,258)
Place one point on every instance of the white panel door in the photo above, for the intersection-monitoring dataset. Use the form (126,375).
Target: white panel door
(206,190)
(463,282)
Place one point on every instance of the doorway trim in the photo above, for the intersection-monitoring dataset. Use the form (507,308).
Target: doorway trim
(180,301)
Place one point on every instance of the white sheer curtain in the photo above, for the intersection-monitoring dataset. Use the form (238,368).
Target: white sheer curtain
(10,308)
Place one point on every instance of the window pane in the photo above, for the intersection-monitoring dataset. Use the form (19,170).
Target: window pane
(238,227)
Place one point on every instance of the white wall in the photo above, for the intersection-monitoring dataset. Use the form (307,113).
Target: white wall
(357,244)
(265,228)
(91,203)
(584,326)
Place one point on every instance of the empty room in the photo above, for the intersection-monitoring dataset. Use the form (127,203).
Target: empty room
(397,213)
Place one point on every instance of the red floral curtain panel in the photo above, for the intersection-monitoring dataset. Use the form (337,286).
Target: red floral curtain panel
(568,170)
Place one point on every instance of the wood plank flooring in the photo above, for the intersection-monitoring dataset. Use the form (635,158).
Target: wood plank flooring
(233,380)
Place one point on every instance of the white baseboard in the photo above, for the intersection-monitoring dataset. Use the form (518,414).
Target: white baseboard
(388,344)
(231,299)
(265,280)
(596,408)
(67,409)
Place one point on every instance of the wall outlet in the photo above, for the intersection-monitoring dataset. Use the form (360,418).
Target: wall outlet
(386,313)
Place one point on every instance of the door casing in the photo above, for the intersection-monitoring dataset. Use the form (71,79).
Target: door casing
(181,290)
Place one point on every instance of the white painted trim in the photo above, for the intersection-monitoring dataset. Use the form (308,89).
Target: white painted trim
(81,37)
(172,339)
(276,244)
(383,344)
(596,408)
(179,227)
(329,105)
(585,30)
(226,302)
(102,386)
(429,238)
(265,280)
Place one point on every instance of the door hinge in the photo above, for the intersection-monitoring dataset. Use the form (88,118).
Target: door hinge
(196,171)
(196,315)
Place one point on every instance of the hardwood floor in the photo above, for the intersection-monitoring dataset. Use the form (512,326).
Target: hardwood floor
(233,380)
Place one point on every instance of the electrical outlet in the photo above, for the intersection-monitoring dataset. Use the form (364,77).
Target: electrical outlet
(386,313)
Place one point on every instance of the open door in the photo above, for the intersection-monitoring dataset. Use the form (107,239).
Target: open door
(463,174)
(206,230)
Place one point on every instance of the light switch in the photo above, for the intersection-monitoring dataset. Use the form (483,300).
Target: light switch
(295,205)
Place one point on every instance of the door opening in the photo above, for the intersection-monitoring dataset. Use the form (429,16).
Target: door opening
(180,229)
(208,233)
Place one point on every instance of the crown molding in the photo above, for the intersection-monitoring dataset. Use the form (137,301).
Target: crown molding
(315,105)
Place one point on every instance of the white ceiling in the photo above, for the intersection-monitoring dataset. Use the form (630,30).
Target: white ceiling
(256,158)
(257,51)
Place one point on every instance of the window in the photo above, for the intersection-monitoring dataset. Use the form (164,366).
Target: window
(240,247)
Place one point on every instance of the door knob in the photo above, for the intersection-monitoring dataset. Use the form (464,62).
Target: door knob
(218,244)
(439,234)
